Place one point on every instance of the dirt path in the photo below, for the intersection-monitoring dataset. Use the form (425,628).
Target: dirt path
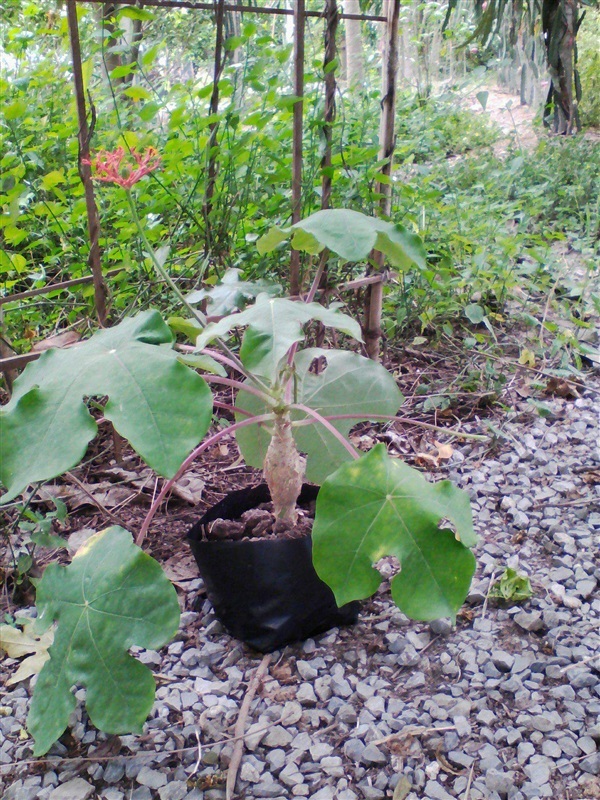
(505,109)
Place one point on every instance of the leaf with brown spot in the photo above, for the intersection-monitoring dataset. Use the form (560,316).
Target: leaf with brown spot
(561,388)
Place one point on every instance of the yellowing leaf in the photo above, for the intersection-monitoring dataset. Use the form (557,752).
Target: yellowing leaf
(18,642)
(527,358)
(32,665)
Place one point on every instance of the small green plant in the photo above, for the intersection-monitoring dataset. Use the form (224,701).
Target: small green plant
(38,525)
(294,407)
(511,587)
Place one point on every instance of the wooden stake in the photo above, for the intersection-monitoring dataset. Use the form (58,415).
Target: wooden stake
(329,57)
(372,332)
(85,173)
(299,25)
(213,158)
(331,16)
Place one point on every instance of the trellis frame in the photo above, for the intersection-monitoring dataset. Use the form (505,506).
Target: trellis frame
(331,14)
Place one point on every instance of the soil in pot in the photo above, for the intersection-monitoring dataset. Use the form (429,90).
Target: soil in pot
(260,580)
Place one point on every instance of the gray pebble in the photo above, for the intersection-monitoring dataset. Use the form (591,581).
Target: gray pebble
(151,778)
(353,749)
(591,764)
(373,755)
(435,791)
(498,781)
(278,737)
(538,772)
(529,621)
(75,789)
(502,660)
(174,790)
(587,745)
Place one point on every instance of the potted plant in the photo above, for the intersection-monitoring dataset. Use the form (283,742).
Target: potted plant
(294,408)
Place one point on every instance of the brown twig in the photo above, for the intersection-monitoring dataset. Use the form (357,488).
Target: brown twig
(469,782)
(238,733)
(415,730)
(72,479)
(150,754)
(580,663)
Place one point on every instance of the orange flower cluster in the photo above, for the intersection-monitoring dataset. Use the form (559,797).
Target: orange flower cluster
(109,167)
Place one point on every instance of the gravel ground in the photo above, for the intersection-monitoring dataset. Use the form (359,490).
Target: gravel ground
(504,705)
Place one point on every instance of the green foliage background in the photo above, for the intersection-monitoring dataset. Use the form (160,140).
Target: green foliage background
(488,222)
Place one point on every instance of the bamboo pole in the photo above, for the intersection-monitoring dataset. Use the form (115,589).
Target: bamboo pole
(53,287)
(298,111)
(329,58)
(85,172)
(212,147)
(332,17)
(233,7)
(372,332)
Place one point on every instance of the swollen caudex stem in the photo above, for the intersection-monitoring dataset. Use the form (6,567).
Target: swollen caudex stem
(284,469)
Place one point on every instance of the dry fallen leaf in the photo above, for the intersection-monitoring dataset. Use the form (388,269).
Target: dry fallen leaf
(189,488)
(592,477)
(426,460)
(403,788)
(445,451)
(561,388)
(61,340)
(180,569)
(106,494)
(283,673)
(18,642)
(446,766)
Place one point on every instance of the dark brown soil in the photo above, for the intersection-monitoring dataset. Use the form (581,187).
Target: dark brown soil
(260,523)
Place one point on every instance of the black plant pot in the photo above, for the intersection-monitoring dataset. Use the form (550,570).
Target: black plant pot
(265,591)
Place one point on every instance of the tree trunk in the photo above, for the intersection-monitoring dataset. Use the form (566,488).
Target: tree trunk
(355,63)
(233,27)
(560,22)
(108,31)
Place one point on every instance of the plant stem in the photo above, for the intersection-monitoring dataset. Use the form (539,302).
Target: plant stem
(168,485)
(233,409)
(220,357)
(238,385)
(197,315)
(389,418)
(316,281)
(326,424)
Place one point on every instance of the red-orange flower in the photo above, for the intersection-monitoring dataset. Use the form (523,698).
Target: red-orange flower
(109,167)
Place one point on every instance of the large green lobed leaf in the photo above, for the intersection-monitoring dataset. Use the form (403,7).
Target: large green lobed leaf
(378,506)
(347,383)
(274,325)
(352,236)
(158,404)
(232,293)
(112,596)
